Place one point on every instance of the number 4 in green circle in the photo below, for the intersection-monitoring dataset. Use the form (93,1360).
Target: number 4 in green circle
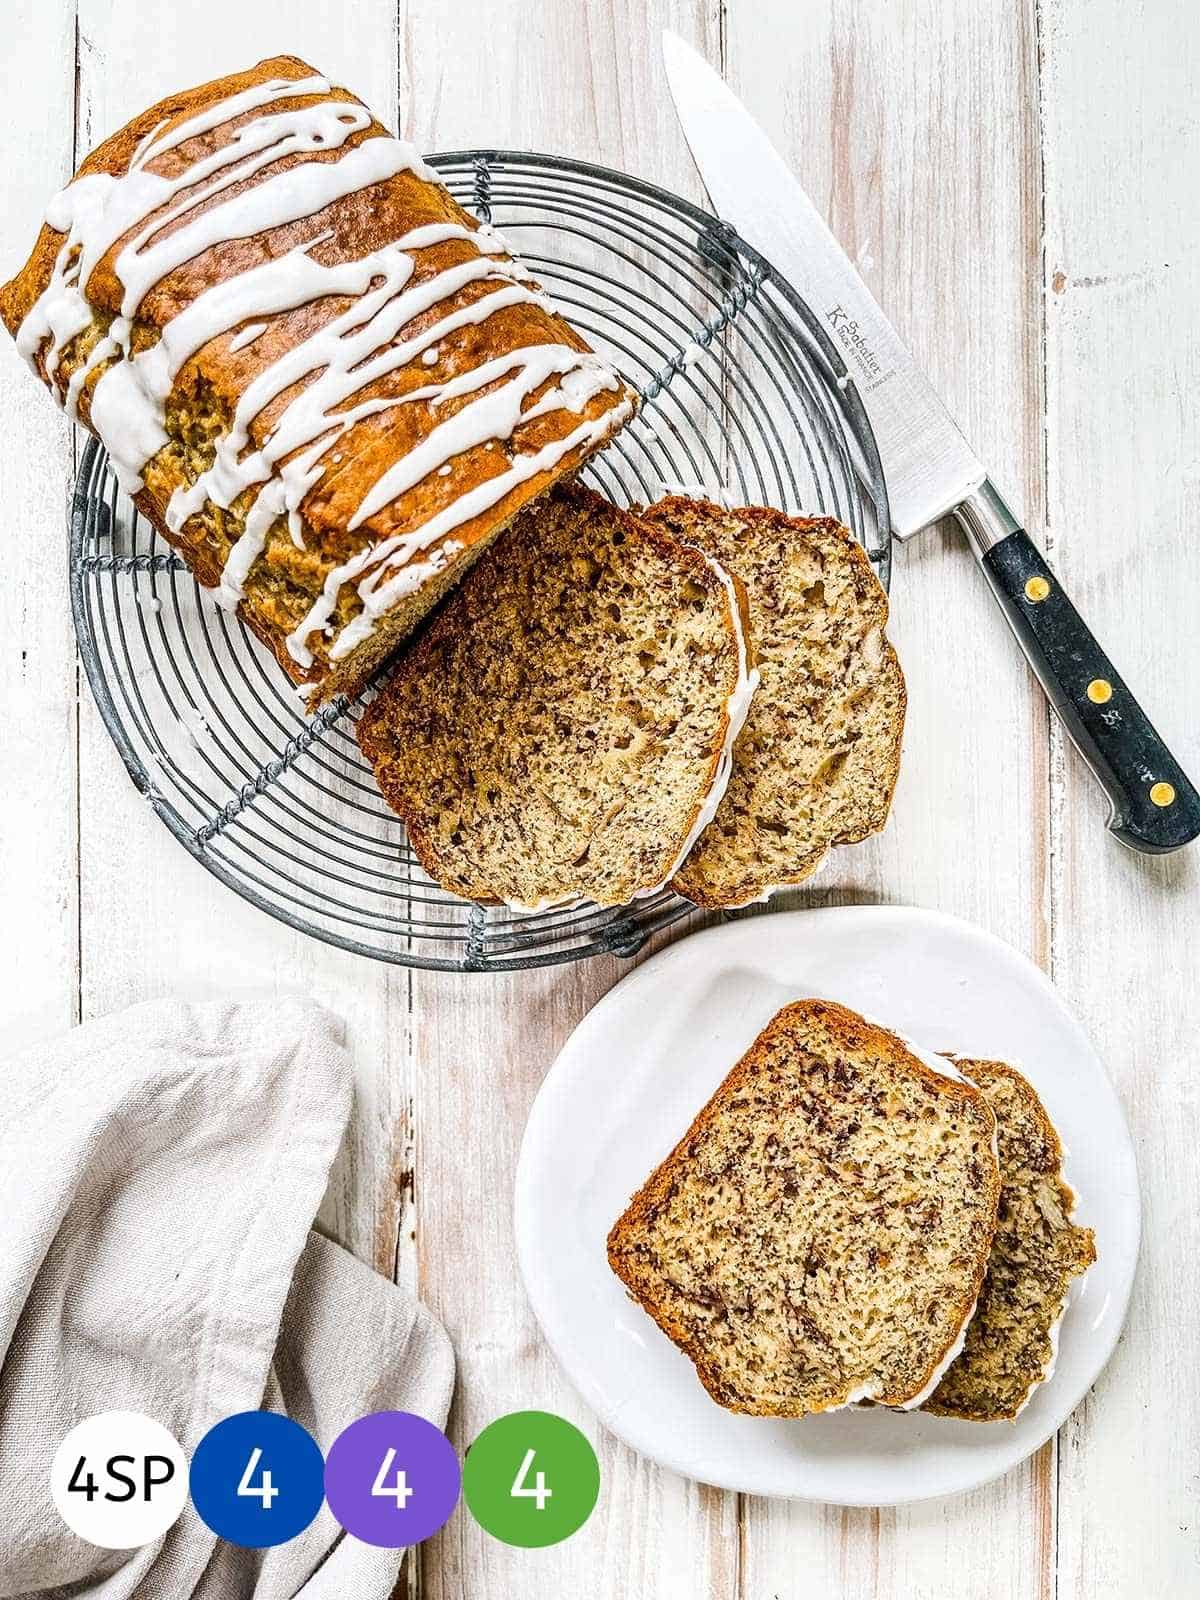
(520,1490)
(531,1479)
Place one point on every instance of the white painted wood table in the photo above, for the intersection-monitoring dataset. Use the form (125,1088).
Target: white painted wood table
(1017,179)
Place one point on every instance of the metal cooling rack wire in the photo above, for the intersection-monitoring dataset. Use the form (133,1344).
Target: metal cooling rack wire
(739,387)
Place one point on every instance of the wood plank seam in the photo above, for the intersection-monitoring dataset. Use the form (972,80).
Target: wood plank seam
(741,1507)
(77,673)
(1051,740)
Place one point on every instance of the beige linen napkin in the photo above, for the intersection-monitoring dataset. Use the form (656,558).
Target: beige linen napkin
(159,1173)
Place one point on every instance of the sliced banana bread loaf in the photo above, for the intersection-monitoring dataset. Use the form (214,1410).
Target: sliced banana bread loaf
(1012,1340)
(816,762)
(564,728)
(820,1233)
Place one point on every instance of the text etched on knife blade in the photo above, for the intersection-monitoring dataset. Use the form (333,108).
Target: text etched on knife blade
(850,336)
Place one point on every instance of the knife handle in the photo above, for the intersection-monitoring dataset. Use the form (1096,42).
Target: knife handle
(1155,807)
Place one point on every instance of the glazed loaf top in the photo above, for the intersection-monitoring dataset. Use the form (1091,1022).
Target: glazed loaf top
(321,378)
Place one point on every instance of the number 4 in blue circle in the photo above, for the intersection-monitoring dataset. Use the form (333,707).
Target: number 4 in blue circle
(266,1490)
(257,1479)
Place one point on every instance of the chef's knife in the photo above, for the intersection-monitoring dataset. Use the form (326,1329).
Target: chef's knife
(929,468)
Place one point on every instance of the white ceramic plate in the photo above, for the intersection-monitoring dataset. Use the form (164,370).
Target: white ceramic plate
(648,1056)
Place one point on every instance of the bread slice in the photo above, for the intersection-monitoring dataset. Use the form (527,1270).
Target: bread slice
(817,760)
(564,728)
(820,1233)
(1012,1340)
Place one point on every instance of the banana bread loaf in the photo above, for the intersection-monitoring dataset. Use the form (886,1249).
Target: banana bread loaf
(323,382)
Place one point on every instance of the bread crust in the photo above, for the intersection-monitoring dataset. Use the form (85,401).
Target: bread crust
(286,580)
(675,511)
(856,1032)
(374,731)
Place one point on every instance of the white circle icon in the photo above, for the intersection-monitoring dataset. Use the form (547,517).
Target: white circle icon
(119,1480)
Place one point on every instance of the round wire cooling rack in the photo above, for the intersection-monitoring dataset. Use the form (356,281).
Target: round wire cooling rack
(742,394)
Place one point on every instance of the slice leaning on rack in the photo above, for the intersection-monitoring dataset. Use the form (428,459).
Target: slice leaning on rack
(563,730)
(324,383)
(817,761)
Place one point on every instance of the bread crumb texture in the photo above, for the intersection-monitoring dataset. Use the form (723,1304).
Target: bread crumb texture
(1035,1254)
(555,732)
(817,759)
(820,1233)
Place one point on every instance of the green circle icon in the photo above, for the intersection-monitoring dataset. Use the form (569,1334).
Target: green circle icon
(531,1479)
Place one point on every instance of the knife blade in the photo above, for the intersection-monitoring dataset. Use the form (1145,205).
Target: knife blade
(928,467)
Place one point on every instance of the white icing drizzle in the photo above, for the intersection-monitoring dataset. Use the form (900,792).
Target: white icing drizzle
(354,350)
(736,710)
(1053,1333)
(499,242)
(495,416)
(346,355)
(248,335)
(97,210)
(772,889)
(377,591)
(943,1366)
(360,628)
(721,495)
(864,1391)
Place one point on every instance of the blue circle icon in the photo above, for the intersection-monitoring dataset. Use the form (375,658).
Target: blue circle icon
(257,1479)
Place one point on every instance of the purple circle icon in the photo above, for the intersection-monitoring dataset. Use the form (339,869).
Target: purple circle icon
(392,1479)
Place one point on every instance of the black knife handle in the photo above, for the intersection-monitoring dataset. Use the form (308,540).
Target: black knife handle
(1155,806)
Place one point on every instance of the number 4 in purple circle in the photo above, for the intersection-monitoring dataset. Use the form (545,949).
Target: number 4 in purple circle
(392,1479)
(398,1489)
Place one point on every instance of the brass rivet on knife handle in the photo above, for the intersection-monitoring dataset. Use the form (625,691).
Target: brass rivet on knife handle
(1155,808)
(1036,589)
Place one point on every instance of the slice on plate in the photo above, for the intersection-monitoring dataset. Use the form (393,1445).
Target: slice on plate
(816,762)
(820,1234)
(1013,1337)
(564,728)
